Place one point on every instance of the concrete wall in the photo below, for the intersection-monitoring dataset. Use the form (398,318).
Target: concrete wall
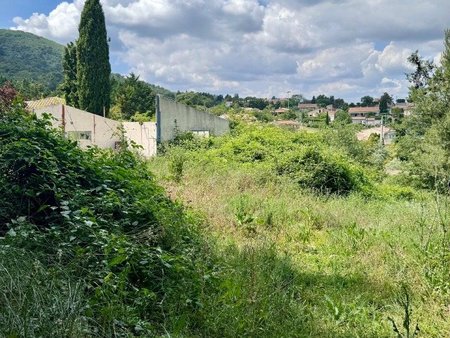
(172,116)
(142,134)
(90,129)
(96,129)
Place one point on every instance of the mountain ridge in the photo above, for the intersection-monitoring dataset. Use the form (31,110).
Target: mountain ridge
(26,56)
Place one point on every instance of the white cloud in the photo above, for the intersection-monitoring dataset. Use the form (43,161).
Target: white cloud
(61,24)
(346,48)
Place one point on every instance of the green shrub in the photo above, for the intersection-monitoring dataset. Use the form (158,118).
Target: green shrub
(321,171)
(99,216)
(177,161)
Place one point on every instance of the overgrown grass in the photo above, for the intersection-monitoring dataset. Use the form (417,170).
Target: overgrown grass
(94,247)
(303,264)
(136,260)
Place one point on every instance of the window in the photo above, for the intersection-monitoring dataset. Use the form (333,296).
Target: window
(79,135)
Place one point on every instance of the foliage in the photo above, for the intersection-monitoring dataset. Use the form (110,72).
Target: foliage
(367,101)
(70,65)
(93,68)
(385,102)
(424,135)
(423,70)
(342,117)
(25,56)
(199,100)
(321,171)
(99,217)
(299,156)
(263,115)
(7,95)
(254,102)
(409,332)
(33,90)
(39,301)
(176,165)
(133,96)
(323,100)
(301,264)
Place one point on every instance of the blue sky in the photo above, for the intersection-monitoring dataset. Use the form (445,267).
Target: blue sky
(23,8)
(346,48)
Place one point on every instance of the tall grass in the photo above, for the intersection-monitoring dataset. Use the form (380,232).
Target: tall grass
(302,264)
(37,301)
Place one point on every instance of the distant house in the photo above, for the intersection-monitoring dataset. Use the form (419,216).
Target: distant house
(329,110)
(280,111)
(406,106)
(365,115)
(308,106)
(388,134)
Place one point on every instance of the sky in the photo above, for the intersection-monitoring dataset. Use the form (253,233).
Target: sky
(263,48)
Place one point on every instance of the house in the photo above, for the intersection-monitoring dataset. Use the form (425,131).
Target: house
(407,107)
(93,130)
(307,106)
(388,134)
(329,110)
(280,111)
(365,115)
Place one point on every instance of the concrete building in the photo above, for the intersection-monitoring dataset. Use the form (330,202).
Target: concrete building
(94,130)
(174,117)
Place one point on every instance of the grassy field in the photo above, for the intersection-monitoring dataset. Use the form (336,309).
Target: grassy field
(261,233)
(303,264)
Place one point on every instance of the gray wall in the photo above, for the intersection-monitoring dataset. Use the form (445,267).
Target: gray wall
(171,115)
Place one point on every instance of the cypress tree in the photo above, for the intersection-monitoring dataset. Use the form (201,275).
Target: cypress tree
(70,75)
(93,69)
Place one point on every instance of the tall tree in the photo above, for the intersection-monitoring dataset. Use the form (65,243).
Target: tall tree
(134,96)
(367,101)
(93,69)
(423,70)
(385,102)
(69,86)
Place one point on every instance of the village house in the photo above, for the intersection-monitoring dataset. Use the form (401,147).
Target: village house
(407,107)
(280,111)
(365,115)
(308,106)
(329,110)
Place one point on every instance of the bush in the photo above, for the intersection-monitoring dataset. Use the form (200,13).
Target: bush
(99,216)
(321,171)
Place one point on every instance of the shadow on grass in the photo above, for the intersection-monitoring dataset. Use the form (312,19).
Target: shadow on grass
(260,294)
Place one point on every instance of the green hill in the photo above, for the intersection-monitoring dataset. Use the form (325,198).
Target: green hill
(28,56)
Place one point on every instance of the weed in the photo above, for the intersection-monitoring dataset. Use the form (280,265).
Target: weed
(409,329)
